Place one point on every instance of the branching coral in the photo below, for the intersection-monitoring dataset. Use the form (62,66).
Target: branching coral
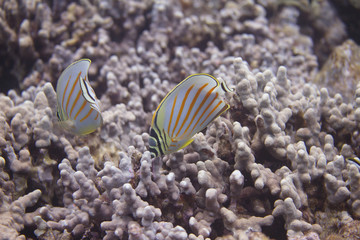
(282,153)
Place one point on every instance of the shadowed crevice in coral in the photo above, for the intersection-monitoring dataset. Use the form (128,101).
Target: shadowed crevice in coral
(244,117)
(295,122)
(218,229)
(349,14)
(29,232)
(176,212)
(316,195)
(276,230)
(147,23)
(248,181)
(264,157)
(9,78)
(6,168)
(56,153)
(341,137)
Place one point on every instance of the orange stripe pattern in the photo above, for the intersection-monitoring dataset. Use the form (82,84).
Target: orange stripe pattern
(190,108)
(186,110)
(87,115)
(206,108)
(197,111)
(63,97)
(71,91)
(80,109)
(76,100)
(182,108)
(172,114)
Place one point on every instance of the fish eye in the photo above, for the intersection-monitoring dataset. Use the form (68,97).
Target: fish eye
(152,155)
(152,142)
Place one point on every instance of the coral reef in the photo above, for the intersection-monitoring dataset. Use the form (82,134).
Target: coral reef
(343,64)
(277,165)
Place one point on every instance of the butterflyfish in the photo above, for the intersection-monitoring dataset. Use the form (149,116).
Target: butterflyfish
(78,109)
(186,110)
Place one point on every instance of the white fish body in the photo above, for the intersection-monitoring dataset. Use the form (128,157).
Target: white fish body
(78,108)
(185,111)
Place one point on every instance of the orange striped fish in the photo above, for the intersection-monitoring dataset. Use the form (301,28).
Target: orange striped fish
(186,110)
(78,109)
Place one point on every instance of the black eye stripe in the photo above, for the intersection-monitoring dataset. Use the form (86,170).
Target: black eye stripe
(155,137)
(153,133)
(87,89)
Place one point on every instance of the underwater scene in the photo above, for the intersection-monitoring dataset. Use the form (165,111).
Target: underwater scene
(180,119)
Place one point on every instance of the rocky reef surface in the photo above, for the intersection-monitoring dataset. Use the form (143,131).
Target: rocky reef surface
(279,164)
